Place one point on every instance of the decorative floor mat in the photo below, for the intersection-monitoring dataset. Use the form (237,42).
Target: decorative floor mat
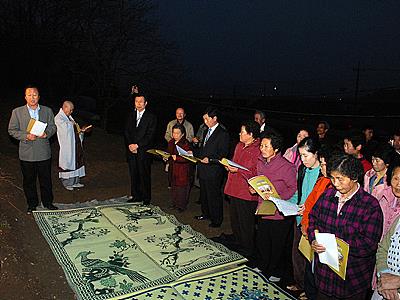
(108,252)
(241,283)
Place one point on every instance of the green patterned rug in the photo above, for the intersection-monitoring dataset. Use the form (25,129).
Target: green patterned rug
(114,251)
(241,283)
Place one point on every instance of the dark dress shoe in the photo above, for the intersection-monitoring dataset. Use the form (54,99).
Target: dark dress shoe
(30,210)
(133,200)
(51,207)
(201,217)
(214,225)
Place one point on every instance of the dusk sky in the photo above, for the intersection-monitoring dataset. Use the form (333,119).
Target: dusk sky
(303,46)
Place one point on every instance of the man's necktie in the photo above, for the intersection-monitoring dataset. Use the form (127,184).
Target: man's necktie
(138,119)
(207,136)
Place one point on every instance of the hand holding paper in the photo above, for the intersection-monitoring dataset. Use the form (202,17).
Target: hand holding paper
(331,255)
(37,128)
(285,207)
(229,163)
(187,154)
(183,152)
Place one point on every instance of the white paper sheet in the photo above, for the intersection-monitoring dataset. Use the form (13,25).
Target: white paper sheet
(236,165)
(331,254)
(182,151)
(38,128)
(285,207)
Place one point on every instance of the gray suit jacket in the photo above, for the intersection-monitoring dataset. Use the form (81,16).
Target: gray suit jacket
(39,149)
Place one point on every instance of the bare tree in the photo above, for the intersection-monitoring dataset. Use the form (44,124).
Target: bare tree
(97,48)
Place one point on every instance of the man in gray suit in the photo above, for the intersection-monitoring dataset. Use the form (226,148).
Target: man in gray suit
(34,151)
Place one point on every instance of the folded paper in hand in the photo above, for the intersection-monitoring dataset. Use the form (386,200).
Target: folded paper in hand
(187,155)
(161,153)
(36,127)
(336,253)
(228,163)
(285,207)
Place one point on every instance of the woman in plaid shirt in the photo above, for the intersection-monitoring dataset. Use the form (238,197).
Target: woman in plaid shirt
(354,216)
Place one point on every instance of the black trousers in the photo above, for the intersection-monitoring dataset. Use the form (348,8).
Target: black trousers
(273,246)
(309,282)
(299,261)
(359,296)
(211,199)
(140,173)
(31,170)
(243,219)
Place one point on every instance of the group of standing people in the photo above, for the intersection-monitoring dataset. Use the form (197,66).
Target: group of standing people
(347,193)
(35,150)
(337,190)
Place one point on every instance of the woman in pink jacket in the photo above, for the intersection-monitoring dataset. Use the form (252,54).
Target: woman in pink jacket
(274,231)
(375,179)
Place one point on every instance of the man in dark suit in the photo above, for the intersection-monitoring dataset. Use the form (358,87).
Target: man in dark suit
(139,134)
(211,173)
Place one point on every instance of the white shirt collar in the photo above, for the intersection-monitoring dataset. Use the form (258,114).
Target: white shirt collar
(213,128)
(341,199)
(31,109)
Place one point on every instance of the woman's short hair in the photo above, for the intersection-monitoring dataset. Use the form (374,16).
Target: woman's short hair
(310,144)
(180,127)
(275,137)
(384,152)
(346,165)
(252,127)
(325,151)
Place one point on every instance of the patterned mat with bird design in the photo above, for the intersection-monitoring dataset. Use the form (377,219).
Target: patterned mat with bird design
(111,252)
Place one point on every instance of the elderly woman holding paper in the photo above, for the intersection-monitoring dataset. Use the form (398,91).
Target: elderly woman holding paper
(274,230)
(354,216)
(180,171)
(242,204)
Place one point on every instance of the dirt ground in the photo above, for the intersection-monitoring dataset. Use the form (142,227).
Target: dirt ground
(28,269)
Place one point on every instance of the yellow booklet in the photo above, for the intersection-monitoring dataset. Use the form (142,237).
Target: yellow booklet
(30,125)
(191,158)
(343,249)
(263,186)
(157,152)
(305,248)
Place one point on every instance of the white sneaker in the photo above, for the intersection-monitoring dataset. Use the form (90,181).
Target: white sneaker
(69,188)
(274,279)
(78,185)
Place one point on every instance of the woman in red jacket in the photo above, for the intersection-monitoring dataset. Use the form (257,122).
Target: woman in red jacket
(179,169)
(242,204)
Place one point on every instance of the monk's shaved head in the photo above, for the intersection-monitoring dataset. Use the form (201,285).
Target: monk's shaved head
(68,108)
